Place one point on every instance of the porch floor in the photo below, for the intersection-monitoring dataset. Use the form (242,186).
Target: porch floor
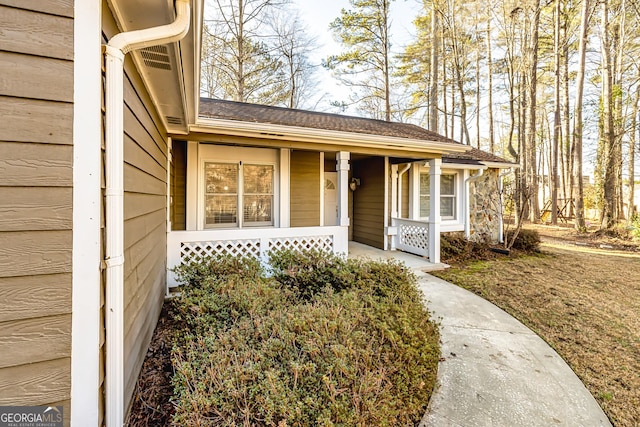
(414,262)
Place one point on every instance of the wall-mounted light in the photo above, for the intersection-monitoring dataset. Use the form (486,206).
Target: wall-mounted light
(354,184)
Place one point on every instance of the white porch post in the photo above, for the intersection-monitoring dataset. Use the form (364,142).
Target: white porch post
(391,229)
(342,166)
(434,210)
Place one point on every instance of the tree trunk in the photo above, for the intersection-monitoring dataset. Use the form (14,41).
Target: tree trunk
(534,214)
(433,71)
(556,119)
(632,156)
(608,216)
(490,86)
(577,117)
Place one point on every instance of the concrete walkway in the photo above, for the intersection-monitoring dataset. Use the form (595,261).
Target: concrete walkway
(494,371)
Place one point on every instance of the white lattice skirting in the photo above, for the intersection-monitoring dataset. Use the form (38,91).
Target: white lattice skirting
(187,246)
(413,236)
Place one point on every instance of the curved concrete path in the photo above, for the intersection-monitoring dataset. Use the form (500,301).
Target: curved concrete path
(496,372)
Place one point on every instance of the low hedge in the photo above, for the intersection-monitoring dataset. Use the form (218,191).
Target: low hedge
(320,340)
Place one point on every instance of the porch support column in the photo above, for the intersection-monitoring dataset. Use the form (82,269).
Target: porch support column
(394,191)
(342,167)
(391,229)
(434,210)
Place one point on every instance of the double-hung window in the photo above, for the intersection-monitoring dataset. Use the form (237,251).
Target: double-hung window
(238,194)
(447,195)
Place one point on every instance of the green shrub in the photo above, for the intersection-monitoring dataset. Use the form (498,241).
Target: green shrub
(526,240)
(357,350)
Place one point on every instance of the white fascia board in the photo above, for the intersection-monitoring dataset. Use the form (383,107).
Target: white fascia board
(322,136)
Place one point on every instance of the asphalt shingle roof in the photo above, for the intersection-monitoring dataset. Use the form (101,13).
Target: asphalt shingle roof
(255,113)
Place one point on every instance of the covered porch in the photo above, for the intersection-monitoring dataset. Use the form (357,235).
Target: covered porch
(248,201)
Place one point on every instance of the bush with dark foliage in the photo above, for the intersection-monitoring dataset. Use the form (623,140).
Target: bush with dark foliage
(319,341)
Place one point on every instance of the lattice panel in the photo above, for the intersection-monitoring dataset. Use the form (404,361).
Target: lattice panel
(415,236)
(318,243)
(196,251)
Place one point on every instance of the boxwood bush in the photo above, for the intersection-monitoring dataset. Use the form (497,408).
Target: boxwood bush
(320,340)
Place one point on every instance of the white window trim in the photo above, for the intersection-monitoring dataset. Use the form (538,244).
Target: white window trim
(447,224)
(209,153)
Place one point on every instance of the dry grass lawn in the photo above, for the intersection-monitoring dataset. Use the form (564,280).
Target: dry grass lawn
(585,303)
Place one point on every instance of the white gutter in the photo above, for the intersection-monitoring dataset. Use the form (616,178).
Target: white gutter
(118,46)
(467,220)
(321,136)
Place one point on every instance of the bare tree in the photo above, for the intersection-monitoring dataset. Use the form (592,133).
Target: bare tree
(239,60)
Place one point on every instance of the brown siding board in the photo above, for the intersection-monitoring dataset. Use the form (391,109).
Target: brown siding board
(35,164)
(54,7)
(136,156)
(179,221)
(141,204)
(139,181)
(35,208)
(137,133)
(136,253)
(36,383)
(305,189)
(35,252)
(135,229)
(133,88)
(404,209)
(30,120)
(35,33)
(35,340)
(46,295)
(368,205)
(36,77)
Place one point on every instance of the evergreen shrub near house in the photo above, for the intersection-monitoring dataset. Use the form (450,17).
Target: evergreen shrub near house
(319,341)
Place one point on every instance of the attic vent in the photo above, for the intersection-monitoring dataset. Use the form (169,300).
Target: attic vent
(174,120)
(156,57)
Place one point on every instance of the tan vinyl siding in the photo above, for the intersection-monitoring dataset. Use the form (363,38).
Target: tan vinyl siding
(179,186)
(305,188)
(145,175)
(404,209)
(368,202)
(36,176)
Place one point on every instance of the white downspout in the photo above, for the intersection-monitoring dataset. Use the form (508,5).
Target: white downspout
(467,219)
(118,46)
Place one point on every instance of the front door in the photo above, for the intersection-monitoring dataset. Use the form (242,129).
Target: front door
(331,198)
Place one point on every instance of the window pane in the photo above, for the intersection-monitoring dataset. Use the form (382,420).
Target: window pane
(221,178)
(425,205)
(221,209)
(258,208)
(424,184)
(258,179)
(447,185)
(447,207)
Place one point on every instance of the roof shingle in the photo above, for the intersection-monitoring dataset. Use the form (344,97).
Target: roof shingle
(255,113)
